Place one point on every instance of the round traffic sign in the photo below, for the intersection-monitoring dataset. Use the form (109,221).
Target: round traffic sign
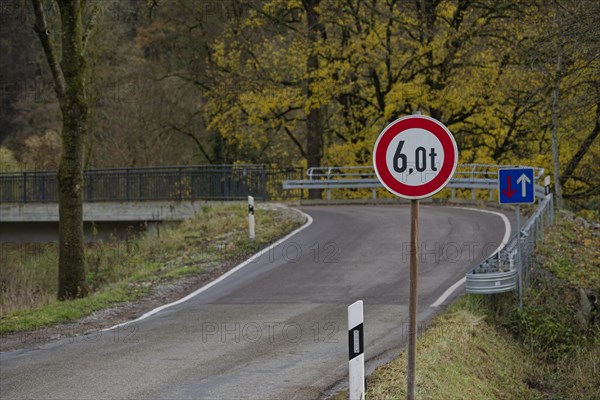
(415,156)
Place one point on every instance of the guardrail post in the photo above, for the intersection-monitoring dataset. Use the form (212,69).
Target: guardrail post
(519,256)
(529,246)
(453,194)
(88,183)
(140,179)
(301,176)
(180,179)
(127,184)
(328,190)
(473,197)
(264,182)
(43,187)
(24,187)
(551,213)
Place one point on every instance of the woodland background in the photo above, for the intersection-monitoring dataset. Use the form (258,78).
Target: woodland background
(313,82)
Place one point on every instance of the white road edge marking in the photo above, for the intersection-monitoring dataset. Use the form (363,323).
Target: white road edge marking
(309,221)
(505,239)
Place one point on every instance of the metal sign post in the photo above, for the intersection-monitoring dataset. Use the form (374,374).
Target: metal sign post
(519,255)
(412,319)
(414,158)
(517,186)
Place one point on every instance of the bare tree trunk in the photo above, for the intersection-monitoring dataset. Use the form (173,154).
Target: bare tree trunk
(69,80)
(314,127)
(554,131)
(583,149)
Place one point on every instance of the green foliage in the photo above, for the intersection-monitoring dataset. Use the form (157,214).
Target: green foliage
(566,354)
(551,334)
(549,353)
(466,353)
(8,163)
(231,82)
(572,252)
(550,321)
(460,356)
(481,68)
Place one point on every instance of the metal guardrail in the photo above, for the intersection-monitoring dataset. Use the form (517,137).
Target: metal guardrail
(210,182)
(496,274)
(466,176)
(500,273)
(492,282)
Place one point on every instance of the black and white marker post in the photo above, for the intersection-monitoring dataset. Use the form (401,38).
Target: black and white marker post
(356,351)
(251,217)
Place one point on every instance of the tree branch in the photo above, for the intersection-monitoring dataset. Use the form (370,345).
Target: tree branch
(92,21)
(583,149)
(583,194)
(196,140)
(41,29)
(296,142)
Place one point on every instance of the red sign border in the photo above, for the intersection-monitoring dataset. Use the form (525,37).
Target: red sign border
(446,171)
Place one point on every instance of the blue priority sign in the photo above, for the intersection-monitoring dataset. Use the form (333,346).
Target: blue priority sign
(516,186)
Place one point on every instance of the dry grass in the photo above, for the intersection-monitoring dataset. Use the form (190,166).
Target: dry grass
(572,252)
(28,275)
(465,355)
(460,356)
(124,271)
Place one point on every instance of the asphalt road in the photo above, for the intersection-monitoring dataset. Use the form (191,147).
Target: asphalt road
(276,328)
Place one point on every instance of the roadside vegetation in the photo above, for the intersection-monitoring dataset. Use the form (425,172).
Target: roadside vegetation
(487,348)
(559,325)
(120,271)
(460,356)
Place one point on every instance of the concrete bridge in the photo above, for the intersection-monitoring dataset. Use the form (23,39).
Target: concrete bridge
(38,222)
(119,202)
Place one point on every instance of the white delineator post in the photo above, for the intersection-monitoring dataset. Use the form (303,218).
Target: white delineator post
(356,351)
(251,217)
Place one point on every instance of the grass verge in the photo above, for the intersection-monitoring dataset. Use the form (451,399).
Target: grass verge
(117,272)
(460,356)
(571,251)
(487,348)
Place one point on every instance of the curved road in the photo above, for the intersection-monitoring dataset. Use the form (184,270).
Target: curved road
(276,328)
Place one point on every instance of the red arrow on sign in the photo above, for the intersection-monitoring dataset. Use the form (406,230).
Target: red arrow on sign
(508,192)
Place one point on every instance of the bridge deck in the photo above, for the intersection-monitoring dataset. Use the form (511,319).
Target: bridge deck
(107,211)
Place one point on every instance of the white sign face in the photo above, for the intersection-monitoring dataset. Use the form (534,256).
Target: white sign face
(415,157)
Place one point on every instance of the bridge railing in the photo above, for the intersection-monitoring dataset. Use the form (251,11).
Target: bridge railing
(210,182)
